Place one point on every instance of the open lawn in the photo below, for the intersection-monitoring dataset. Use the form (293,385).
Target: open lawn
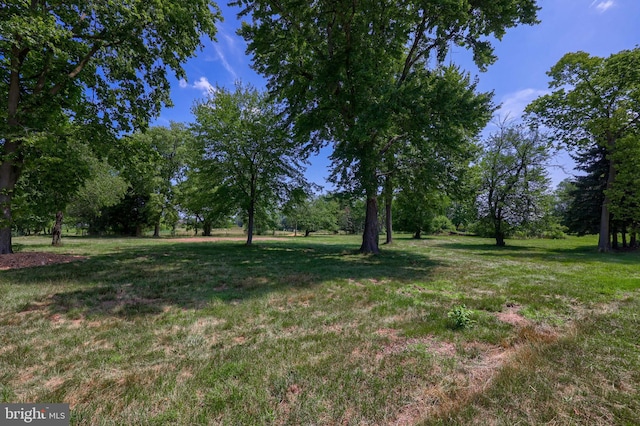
(305,331)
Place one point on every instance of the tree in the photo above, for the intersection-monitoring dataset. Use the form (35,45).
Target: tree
(312,215)
(514,180)
(585,195)
(55,167)
(166,168)
(104,188)
(247,152)
(197,198)
(417,209)
(596,102)
(352,74)
(436,157)
(99,64)
(624,193)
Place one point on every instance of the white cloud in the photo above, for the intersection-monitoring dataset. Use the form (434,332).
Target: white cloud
(202,84)
(513,104)
(603,5)
(224,61)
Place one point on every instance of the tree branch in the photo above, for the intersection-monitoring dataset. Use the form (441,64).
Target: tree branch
(83,63)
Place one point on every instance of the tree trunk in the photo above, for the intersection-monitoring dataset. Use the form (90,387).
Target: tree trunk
(138,230)
(499,233)
(624,237)
(9,163)
(388,200)
(156,229)
(370,234)
(418,234)
(8,177)
(632,240)
(252,209)
(56,233)
(307,232)
(206,229)
(250,214)
(604,244)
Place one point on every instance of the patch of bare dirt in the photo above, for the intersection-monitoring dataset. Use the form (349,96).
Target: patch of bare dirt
(33,259)
(511,315)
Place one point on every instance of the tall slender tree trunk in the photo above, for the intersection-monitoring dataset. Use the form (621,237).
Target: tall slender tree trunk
(56,233)
(388,200)
(252,210)
(604,239)
(498,232)
(156,229)
(250,214)
(370,234)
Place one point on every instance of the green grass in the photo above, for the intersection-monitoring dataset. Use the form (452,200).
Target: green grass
(307,331)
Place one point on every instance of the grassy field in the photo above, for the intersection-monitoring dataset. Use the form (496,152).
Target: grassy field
(305,331)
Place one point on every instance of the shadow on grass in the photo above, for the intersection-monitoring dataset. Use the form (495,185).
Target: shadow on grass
(144,280)
(546,253)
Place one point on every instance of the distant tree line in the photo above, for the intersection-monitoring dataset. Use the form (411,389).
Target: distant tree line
(368,80)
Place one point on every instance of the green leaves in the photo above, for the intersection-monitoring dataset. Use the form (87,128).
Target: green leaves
(114,55)
(596,104)
(514,179)
(246,151)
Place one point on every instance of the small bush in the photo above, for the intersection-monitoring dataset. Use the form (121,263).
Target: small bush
(442,224)
(460,317)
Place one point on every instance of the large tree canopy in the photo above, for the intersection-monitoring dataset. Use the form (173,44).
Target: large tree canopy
(92,62)
(596,101)
(355,73)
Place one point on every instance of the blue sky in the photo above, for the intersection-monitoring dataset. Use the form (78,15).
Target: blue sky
(525,54)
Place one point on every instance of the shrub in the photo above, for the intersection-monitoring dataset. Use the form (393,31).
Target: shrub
(460,317)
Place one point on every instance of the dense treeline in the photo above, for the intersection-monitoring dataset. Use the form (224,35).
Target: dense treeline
(407,155)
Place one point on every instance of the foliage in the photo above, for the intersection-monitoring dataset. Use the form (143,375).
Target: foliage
(442,224)
(514,180)
(165,167)
(55,167)
(312,215)
(624,193)
(460,317)
(596,103)
(247,153)
(196,197)
(358,75)
(104,188)
(102,65)
(415,210)
(351,215)
(585,194)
